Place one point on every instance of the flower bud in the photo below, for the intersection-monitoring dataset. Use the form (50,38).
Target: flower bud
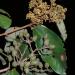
(46,65)
(14,64)
(10,58)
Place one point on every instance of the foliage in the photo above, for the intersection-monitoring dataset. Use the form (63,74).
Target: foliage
(36,54)
(5,21)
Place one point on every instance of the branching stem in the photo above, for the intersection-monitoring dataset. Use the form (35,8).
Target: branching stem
(17,29)
(5,69)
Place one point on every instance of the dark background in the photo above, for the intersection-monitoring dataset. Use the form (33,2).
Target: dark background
(18,9)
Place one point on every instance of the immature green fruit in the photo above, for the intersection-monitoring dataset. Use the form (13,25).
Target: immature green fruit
(14,53)
(7,50)
(34,38)
(14,64)
(34,62)
(26,67)
(46,65)
(40,65)
(22,64)
(27,64)
(12,48)
(21,33)
(7,47)
(10,58)
(32,57)
(26,70)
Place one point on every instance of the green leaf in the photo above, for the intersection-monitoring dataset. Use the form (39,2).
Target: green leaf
(5,21)
(40,31)
(55,63)
(12,72)
(25,49)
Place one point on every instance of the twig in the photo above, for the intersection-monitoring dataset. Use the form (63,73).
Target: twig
(5,69)
(17,29)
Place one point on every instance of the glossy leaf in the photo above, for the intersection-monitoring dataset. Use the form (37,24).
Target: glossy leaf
(40,31)
(55,63)
(5,21)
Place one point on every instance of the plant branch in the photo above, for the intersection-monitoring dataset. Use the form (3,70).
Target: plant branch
(17,29)
(5,69)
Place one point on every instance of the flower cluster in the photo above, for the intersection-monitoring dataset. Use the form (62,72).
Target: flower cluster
(40,11)
(56,12)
